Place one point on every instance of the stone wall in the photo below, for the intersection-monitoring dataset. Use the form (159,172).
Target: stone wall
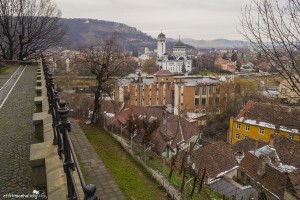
(47,168)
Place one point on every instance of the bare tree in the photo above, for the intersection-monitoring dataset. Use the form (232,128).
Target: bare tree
(273,28)
(104,59)
(28,27)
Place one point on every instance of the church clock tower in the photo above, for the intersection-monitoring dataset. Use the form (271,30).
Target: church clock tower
(161,45)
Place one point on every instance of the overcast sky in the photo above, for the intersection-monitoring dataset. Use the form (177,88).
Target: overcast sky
(198,19)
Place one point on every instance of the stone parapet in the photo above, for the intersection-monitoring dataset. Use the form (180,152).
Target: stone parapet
(47,168)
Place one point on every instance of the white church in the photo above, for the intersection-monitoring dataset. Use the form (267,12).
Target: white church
(178,62)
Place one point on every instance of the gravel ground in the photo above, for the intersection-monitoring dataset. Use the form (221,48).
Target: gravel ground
(16,135)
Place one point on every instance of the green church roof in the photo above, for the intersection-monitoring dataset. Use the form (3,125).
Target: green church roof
(179,43)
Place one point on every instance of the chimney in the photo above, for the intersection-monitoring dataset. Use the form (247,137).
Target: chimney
(246,115)
(262,166)
(272,140)
(278,122)
(258,120)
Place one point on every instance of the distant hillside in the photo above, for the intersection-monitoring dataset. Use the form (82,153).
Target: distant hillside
(85,31)
(218,43)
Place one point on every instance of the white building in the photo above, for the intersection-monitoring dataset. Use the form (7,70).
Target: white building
(178,62)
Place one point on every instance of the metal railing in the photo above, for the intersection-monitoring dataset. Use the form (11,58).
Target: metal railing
(61,129)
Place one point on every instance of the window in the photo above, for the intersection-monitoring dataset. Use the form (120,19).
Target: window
(196,101)
(218,89)
(291,137)
(181,94)
(204,90)
(283,91)
(197,91)
(211,89)
(238,126)
(217,100)
(247,128)
(203,102)
(262,131)
(237,136)
(246,137)
(150,89)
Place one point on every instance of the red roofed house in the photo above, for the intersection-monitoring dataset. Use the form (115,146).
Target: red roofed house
(217,158)
(173,131)
(261,120)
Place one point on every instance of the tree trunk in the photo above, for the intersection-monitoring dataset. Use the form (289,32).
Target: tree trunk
(173,163)
(183,181)
(182,162)
(94,119)
(194,185)
(202,180)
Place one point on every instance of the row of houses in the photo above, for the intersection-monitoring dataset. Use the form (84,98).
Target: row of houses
(246,169)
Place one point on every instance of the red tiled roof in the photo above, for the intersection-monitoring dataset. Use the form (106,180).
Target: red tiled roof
(217,158)
(163,73)
(129,110)
(269,113)
(247,145)
(294,178)
(169,130)
(273,180)
(288,151)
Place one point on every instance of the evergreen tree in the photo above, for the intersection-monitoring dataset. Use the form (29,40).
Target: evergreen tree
(238,65)
(224,56)
(234,57)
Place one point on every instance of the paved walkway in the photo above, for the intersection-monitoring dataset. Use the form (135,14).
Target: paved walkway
(97,173)
(16,135)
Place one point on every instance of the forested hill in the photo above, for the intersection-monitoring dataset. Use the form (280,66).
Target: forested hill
(85,31)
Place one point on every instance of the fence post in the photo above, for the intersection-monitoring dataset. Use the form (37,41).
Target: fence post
(90,192)
(68,163)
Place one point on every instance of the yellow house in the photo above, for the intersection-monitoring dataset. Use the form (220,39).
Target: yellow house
(261,120)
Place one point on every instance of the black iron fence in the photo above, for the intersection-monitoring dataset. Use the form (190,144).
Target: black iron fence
(61,129)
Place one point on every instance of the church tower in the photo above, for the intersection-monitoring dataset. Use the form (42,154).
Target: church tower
(161,45)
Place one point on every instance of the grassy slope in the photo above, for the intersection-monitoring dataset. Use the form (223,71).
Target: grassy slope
(134,181)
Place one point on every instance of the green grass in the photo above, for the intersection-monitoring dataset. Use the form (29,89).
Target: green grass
(3,69)
(176,181)
(132,178)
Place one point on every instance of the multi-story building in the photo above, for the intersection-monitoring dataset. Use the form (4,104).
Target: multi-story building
(195,94)
(178,62)
(146,91)
(261,120)
(182,93)
(287,93)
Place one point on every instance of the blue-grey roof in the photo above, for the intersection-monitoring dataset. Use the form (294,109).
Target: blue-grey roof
(229,189)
